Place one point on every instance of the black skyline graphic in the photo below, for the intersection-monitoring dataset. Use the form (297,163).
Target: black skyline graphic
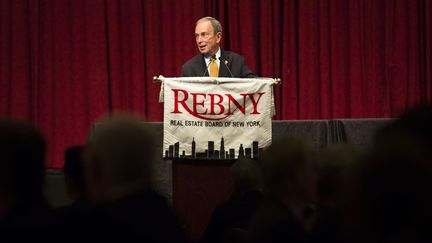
(173,151)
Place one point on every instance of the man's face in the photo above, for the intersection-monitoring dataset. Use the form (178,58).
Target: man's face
(207,41)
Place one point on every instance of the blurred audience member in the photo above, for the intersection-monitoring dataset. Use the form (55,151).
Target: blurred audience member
(118,178)
(74,174)
(334,166)
(23,208)
(75,188)
(393,188)
(289,187)
(231,218)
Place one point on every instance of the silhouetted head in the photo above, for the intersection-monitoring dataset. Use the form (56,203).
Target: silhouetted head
(22,155)
(246,175)
(334,166)
(287,170)
(393,189)
(119,159)
(74,172)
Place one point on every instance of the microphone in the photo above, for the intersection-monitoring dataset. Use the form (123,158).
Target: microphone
(225,62)
(207,67)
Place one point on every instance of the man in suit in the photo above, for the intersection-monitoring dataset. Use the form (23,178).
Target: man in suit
(212,60)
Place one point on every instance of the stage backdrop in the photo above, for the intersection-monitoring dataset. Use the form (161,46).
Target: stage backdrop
(63,63)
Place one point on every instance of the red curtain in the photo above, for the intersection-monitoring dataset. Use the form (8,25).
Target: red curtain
(63,63)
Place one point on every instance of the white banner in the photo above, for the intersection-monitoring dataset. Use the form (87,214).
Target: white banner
(216,118)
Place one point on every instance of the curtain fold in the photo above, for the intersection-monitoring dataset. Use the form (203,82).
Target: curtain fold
(64,63)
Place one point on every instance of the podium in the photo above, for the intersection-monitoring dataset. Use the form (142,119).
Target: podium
(208,124)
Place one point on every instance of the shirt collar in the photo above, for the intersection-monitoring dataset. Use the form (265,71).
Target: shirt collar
(218,54)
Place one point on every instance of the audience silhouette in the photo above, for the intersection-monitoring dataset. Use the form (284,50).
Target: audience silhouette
(231,218)
(24,211)
(288,181)
(118,180)
(392,190)
(74,174)
(334,166)
(292,194)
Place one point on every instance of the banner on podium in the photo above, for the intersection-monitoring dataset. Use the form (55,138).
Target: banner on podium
(216,118)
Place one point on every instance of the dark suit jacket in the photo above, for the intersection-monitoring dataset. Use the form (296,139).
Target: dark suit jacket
(196,67)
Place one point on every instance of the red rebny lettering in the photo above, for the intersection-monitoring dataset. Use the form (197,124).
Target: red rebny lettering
(215,110)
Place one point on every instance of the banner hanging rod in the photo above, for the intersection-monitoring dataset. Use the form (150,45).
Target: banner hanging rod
(158,79)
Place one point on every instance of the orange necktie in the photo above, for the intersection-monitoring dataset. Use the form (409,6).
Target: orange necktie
(214,70)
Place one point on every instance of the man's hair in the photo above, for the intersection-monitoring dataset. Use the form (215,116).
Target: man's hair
(217,27)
